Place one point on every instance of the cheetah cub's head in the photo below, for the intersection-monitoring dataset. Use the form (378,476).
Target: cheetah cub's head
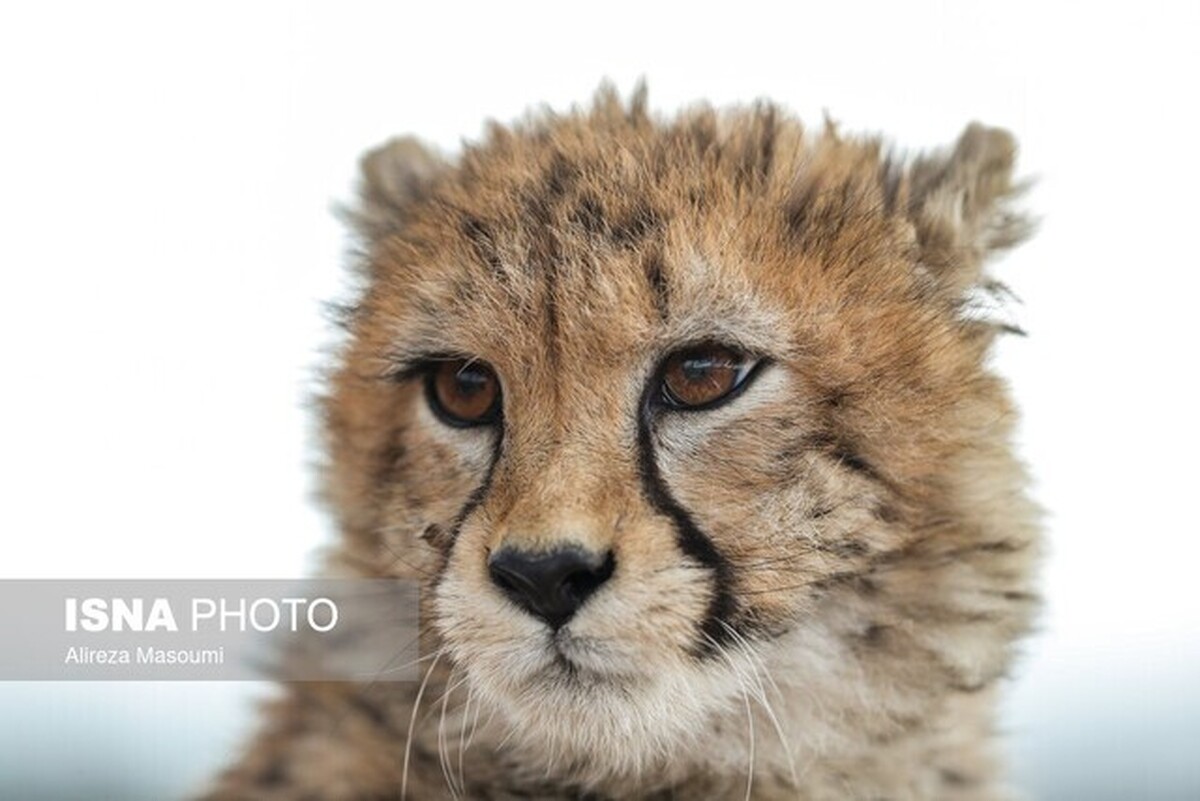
(665,414)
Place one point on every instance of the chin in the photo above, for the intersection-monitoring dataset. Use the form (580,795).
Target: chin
(596,726)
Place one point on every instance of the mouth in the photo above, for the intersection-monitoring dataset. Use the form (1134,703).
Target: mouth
(575,655)
(580,662)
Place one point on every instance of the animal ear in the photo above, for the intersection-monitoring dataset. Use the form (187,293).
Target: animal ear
(393,176)
(960,204)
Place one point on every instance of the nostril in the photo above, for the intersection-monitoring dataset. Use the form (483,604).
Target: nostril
(550,585)
(508,575)
(502,581)
(583,583)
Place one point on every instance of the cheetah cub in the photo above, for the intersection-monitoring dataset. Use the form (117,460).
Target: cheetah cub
(686,429)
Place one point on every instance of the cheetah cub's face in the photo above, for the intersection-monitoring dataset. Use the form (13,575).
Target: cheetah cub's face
(653,408)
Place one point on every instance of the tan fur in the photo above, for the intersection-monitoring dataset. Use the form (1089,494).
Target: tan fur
(871,521)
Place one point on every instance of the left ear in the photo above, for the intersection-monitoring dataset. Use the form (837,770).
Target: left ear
(960,204)
(394,176)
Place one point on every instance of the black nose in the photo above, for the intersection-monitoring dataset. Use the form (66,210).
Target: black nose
(550,585)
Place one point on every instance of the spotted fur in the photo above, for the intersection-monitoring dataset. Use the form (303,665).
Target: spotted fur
(818,584)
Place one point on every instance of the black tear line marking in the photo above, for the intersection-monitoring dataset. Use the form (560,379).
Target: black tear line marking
(716,628)
(474,501)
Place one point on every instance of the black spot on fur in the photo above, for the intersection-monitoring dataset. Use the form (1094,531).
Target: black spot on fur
(849,548)
(390,460)
(1001,546)
(954,778)
(274,774)
(539,208)
(860,580)
(886,513)
(759,152)
(436,536)
(836,398)
(766,142)
(819,217)
(874,635)
(627,231)
(589,215)
(800,212)
(1005,546)
(552,313)
(640,223)
(479,234)
(821,512)
(848,458)
(891,176)
(560,176)
(902,726)
(840,449)
(656,278)
(703,133)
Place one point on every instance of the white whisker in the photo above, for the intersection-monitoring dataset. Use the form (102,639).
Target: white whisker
(759,667)
(412,724)
(462,735)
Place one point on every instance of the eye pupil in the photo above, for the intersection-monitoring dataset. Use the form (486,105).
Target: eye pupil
(470,381)
(464,393)
(696,369)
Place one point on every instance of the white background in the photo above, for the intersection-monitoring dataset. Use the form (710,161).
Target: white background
(166,176)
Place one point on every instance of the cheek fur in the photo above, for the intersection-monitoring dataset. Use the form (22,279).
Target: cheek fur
(785,515)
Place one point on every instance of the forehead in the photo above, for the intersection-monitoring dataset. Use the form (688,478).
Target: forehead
(593,272)
(596,240)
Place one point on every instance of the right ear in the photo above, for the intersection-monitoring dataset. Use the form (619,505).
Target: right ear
(961,203)
(393,176)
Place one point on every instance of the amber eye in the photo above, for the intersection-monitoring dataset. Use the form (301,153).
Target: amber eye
(701,376)
(464,393)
